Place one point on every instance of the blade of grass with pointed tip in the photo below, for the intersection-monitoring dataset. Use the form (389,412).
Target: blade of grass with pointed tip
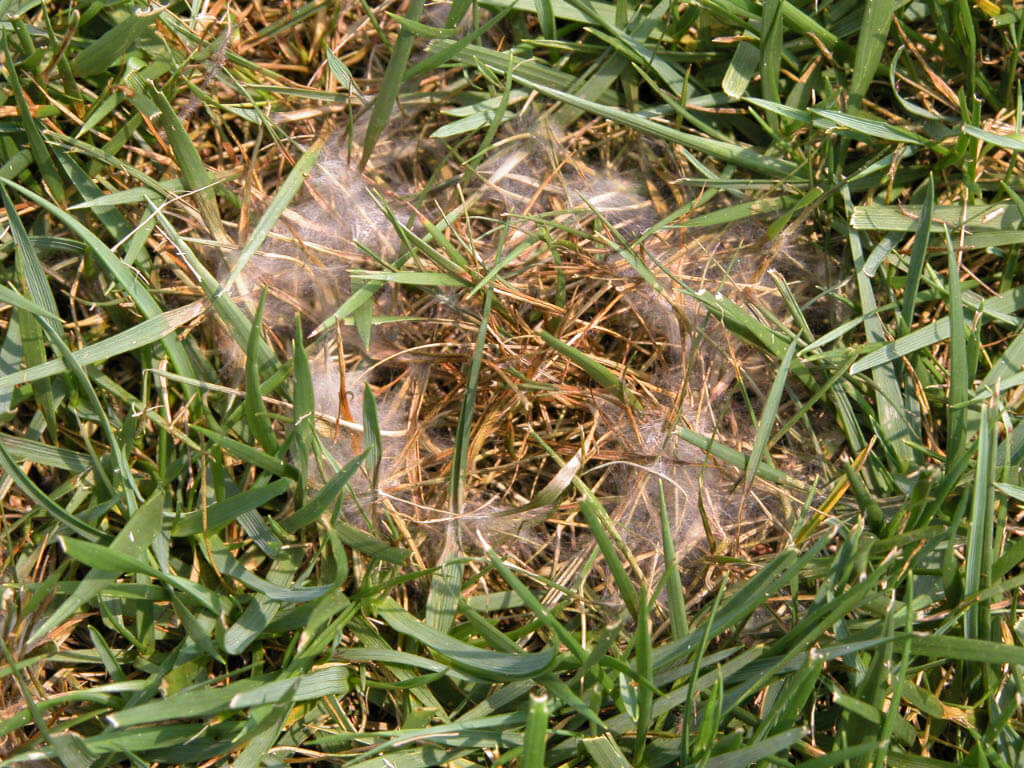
(731,456)
(989,652)
(105,559)
(111,218)
(229,313)
(12,353)
(767,421)
(889,398)
(36,494)
(218,515)
(228,565)
(743,156)
(248,454)
(770,65)
(999,217)
(330,680)
(394,75)
(876,129)
(599,522)
(189,703)
(504,61)
(642,58)
(371,436)
(117,270)
(536,607)
(198,632)
(145,333)
(22,449)
(132,540)
(262,610)
(956,440)
(981,529)
(460,455)
(593,368)
(48,173)
(757,752)
(546,16)
(303,431)
(342,73)
(440,55)
(282,199)
(427,279)
(193,170)
(324,499)
(673,581)
(918,253)
(1011,143)
(481,662)
(33,341)
(874,31)
(106,50)
(255,409)
(446,584)
(130,492)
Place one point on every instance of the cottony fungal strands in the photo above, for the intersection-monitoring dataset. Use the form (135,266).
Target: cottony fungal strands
(414,365)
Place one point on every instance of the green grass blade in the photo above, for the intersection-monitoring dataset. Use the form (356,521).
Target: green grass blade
(460,459)
(480,662)
(594,368)
(255,409)
(917,255)
(282,199)
(221,514)
(106,51)
(536,731)
(741,70)
(745,157)
(874,29)
(981,554)
(958,375)
(643,650)
(605,752)
(32,277)
(327,497)
(673,581)
(394,75)
(121,274)
(139,336)
(767,421)
(132,540)
(49,175)
(772,27)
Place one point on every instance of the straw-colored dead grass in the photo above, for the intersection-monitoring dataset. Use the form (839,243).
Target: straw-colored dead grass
(558,240)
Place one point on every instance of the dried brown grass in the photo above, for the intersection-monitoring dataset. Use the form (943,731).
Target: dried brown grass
(559,226)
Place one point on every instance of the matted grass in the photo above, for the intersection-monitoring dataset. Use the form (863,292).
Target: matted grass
(815,208)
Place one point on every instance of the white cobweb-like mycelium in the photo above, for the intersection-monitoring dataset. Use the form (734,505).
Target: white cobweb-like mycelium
(574,249)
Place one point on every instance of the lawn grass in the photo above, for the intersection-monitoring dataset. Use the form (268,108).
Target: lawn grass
(182,582)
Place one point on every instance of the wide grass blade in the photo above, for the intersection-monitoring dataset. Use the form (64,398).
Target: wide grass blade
(394,76)
(460,461)
(536,731)
(482,663)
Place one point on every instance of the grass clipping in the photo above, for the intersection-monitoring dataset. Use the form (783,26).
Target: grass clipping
(599,350)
